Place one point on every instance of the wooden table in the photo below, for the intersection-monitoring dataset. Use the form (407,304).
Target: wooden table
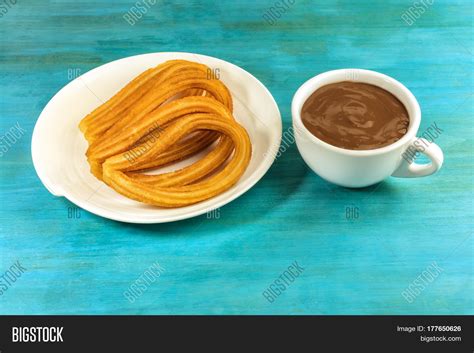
(360,249)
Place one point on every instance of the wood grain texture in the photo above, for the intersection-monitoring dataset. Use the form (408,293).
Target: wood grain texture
(222,265)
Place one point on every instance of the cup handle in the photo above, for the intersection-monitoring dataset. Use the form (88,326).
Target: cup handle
(410,169)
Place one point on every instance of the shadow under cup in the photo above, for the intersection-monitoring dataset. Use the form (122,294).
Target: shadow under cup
(362,168)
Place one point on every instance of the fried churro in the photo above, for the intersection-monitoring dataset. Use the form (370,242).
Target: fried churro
(164,115)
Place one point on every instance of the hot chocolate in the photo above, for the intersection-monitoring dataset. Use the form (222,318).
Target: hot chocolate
(355,116)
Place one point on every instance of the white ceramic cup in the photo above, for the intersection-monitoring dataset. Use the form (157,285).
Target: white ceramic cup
(361,168)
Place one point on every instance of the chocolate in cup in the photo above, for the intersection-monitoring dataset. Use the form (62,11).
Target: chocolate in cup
(355,116)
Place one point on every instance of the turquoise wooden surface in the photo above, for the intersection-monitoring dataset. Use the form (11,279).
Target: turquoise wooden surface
(221,263)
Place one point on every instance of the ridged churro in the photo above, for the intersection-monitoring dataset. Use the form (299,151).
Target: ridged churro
(166,114)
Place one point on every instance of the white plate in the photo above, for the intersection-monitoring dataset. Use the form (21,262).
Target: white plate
(58,147)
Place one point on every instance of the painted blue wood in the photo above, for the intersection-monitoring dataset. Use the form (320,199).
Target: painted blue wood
(222,263)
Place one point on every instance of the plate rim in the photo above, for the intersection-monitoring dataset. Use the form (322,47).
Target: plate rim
(260,171)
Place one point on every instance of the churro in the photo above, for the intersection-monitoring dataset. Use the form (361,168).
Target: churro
(164,115)
(183,195)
